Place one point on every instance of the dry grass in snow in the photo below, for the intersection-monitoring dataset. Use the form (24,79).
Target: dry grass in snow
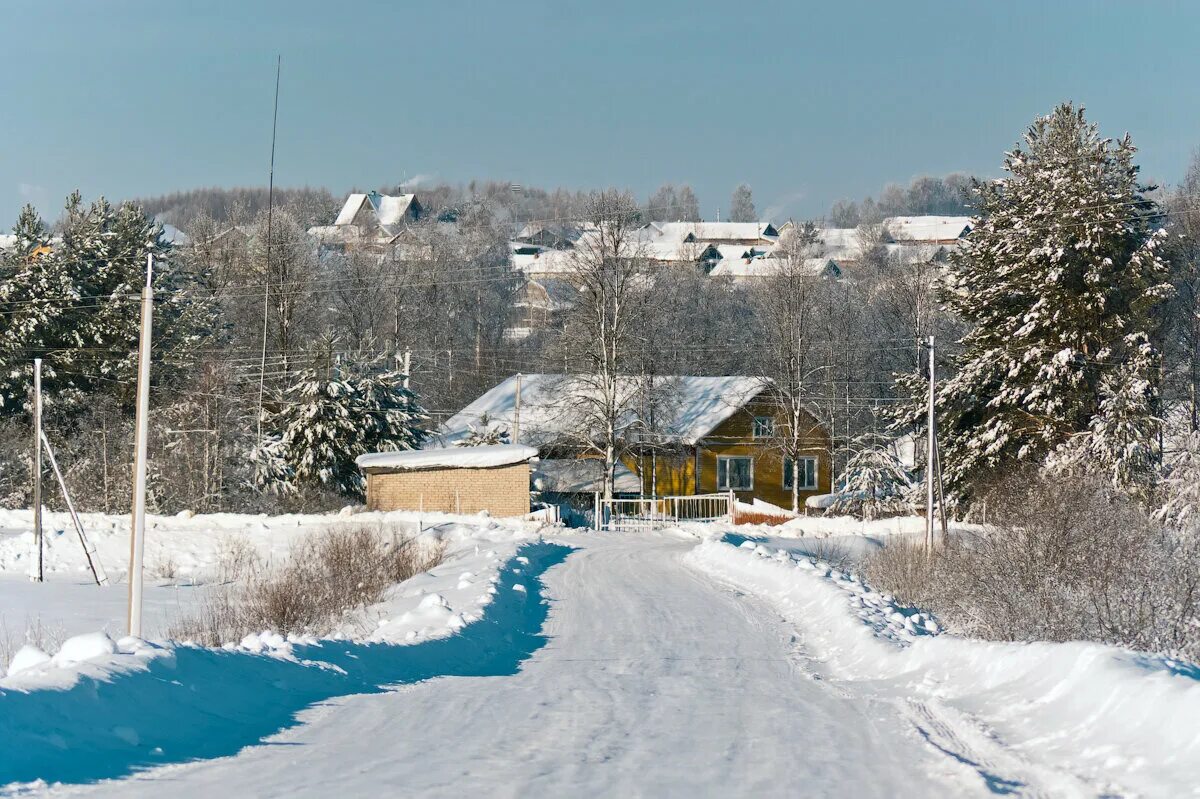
(324,578)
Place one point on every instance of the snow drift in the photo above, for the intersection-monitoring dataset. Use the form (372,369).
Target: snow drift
(105,709)
(1113,717)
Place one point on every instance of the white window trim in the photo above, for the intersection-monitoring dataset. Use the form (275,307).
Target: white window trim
(727,458)
(754,427)
(816,472)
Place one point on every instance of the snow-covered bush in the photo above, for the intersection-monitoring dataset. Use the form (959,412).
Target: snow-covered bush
(1181,486)
(1062,559)
(875,482)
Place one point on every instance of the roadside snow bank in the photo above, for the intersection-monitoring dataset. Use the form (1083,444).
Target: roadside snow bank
(123,706)
(1110,716)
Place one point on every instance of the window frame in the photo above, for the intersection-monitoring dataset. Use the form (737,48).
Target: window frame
(723,460)
(770,425)
(790,464)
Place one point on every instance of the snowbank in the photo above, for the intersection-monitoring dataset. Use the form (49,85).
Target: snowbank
(100,709)
(482,457)
(1112,717)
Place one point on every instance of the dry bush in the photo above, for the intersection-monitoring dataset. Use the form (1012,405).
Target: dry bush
(237,560)
(904,569)
(838,554)
(758,517)
(1063,559)
(325,578)
(44,637)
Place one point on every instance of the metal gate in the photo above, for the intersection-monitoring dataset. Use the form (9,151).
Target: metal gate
(637,515)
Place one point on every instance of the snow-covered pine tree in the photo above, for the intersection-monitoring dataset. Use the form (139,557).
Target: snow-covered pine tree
(1059,274)
(331,415)
(75,302)
(875,481)
(484,433)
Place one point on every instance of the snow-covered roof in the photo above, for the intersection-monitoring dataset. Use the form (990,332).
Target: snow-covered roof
(486,456)
(928,228)
(545,262)
(350,209)
(760,267)
(388,209)
(391,210)
(581,476)
(173,235)
(717,231)
(690,408)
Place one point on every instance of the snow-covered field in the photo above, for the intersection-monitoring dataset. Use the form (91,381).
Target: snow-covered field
(539,661)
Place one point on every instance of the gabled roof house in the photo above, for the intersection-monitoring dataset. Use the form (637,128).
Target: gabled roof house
(707,434)
(368,220)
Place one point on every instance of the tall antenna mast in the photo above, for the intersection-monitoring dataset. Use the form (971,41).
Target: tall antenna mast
(262,368)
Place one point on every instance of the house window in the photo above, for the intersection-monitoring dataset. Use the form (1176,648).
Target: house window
(764,427)
(736,474)
(808,473)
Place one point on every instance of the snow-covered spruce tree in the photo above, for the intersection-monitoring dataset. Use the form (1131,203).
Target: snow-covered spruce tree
(331,415)
(875,481)
(484,433)
(1057,279)
(75,303)
(1181,486)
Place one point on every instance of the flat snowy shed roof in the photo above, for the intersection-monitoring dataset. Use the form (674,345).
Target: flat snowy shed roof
(487,456)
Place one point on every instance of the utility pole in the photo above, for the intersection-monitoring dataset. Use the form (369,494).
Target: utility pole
(37,572)
(516,435)
(930,455)
(137,539)
(262,369)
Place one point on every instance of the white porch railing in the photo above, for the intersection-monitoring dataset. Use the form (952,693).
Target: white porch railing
(635,515)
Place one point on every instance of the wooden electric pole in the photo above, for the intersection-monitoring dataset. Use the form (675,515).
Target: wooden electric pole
(137,539)
(930,456)
(37,571)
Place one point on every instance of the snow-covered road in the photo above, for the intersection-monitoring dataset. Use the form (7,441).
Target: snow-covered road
(654,681)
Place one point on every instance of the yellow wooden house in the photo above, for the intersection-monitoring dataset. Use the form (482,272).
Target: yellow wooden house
(681,435)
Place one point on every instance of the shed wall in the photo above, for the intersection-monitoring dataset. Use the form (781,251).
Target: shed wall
(501,491)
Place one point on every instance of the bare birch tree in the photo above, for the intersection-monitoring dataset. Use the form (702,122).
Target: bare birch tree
(608,271)
(787,300)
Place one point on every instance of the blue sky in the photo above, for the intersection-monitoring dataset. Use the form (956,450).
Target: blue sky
(805,102)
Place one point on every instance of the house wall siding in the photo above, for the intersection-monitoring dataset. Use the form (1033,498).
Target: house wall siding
(501,491)
(677,473)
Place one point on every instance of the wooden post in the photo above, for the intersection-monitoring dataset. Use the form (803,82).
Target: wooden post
(137,541)
(596,523)
(930,457)
(37,572)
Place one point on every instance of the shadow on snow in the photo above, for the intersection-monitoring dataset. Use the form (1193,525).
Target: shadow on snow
(207,703)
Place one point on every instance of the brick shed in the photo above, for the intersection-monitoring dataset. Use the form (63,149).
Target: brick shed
(494,478)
